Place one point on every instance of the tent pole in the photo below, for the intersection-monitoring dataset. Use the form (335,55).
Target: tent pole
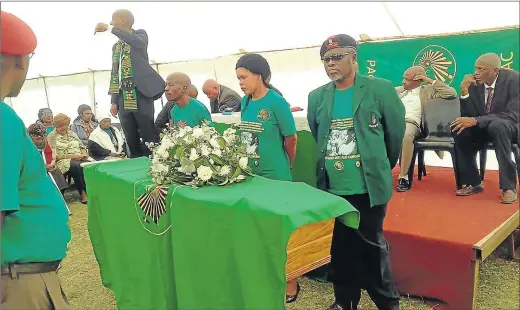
(392,18)
(46,93)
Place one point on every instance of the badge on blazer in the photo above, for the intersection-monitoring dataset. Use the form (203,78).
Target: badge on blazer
(358,163)
(373,121)
(256,163)
(339,165)
(263,115)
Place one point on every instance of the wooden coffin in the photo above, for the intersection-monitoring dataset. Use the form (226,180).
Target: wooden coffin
(309,248)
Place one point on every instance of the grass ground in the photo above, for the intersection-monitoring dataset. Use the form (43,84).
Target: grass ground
(498,287)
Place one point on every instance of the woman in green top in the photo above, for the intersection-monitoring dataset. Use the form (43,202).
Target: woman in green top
(267,127)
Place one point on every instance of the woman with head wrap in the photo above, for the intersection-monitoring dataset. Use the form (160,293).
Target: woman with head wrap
(268,128)
(105,141)
(84,124)
(45,117)
(68,152)
(37,133)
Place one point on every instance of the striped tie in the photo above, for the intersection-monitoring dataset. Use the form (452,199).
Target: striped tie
(489,100)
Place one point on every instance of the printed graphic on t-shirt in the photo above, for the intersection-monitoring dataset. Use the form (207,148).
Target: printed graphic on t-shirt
(249,134)
(342,141)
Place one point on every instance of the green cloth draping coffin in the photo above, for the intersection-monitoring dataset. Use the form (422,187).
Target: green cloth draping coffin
(212,247)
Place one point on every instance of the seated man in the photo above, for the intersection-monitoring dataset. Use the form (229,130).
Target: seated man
(489,108)
(37,132)
(221,97)
(193,92)
(414,96)
(163,118)
(186,111)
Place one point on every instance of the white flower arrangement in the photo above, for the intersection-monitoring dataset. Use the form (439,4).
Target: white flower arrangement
(199,156)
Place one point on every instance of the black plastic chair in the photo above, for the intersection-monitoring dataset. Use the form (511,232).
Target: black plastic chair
(483,158)
(439,114)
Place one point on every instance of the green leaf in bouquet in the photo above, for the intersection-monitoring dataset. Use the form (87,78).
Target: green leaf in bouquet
(221,142)
(226,181)
(216,159)
(210,165)
(236,173)
(199,161)
(179,152)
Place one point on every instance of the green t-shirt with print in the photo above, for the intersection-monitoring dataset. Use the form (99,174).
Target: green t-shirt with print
(342,159)
(264,124)
(35,228)
(193,114)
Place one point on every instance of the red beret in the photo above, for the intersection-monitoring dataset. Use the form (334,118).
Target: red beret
(18,39)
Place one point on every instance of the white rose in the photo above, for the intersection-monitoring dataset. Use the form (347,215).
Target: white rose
(214,143)
(194,155)
(230,131)
(243,162)
(198,132)
(205,150)
(225,170)
(204,173)
(182,132)
(188,139)
(217,152)
(241,177)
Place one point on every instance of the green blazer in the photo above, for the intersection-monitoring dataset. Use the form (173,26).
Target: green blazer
(379,124)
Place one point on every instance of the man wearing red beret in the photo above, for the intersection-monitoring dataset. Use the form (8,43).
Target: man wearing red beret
(34,216)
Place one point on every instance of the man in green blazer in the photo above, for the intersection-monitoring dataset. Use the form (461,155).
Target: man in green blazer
(358,124)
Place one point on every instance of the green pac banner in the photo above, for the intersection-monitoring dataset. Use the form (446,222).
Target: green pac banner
(445,58)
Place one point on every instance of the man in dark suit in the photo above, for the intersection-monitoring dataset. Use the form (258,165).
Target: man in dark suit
(221,98)
(489,107)
(134,84)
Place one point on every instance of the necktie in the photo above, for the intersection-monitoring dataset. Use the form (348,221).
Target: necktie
(489,100)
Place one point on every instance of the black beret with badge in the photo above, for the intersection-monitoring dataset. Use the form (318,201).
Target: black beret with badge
(338,41)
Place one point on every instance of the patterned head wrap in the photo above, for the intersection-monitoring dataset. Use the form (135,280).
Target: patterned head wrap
(37,130)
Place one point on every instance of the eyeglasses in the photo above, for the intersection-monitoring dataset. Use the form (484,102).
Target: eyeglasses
(335,57)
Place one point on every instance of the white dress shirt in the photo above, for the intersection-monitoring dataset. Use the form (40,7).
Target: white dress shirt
(485,91)
(412,103)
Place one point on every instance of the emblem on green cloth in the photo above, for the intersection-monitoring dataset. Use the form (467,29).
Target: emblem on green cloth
(438,62)
(151,208)
(263,115)
(339,165)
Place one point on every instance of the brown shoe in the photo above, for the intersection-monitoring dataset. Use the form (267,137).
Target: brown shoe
(470,190)
(508,196)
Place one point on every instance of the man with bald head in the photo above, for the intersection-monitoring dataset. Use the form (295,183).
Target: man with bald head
(222,98)
(415,92)
(489,108)
(34,217)
(187,111)
(163,118)
(193,92)
(134,84)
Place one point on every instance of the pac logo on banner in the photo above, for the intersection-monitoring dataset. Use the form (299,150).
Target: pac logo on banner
(438,62)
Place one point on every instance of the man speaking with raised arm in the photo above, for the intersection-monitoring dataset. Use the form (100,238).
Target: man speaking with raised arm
(134,84)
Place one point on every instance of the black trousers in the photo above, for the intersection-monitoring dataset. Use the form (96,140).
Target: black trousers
(76,172)
(360,259)
(137,124)
(501,133)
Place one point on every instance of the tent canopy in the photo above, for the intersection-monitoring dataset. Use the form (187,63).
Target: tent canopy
(202,30)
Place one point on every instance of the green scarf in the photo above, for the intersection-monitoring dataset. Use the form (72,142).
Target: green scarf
(127,85)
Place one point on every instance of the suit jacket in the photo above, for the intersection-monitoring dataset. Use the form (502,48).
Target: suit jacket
(163,119)
(379,125)
(428,92)
(145,78)
(505,103)
(228,98)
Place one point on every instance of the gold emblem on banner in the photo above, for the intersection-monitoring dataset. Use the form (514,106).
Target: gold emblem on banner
(438,62)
